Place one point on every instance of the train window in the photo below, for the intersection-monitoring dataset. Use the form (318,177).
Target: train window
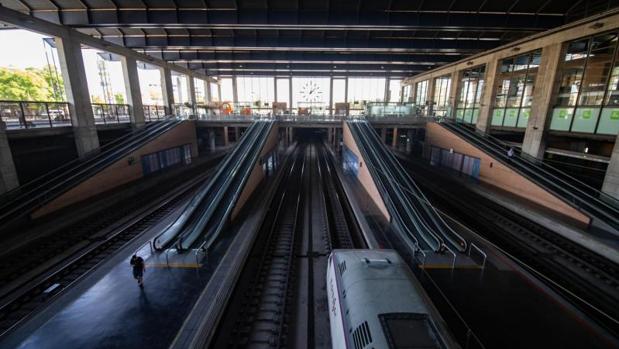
(409,330)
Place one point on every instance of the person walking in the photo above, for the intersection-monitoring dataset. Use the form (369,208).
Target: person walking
(510,153)
(138,269)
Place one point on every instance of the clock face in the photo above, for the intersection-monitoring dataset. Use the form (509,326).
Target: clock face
(310,91)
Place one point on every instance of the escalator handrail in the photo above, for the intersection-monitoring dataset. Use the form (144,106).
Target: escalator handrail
(565,177)
(457,241)
(370,154)
(550,185)
(189,210)
(197,226)
(212,236)
(24,188)
(39,197)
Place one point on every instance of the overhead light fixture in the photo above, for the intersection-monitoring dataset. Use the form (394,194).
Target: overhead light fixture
(597,25)
(516,49)
(469,63)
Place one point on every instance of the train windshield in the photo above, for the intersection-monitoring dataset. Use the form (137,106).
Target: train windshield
(409,330)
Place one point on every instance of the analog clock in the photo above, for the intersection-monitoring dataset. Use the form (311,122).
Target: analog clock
(310,91)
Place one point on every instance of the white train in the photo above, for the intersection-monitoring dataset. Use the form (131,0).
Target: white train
(376,302)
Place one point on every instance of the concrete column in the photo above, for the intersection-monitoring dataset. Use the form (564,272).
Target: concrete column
(290,135)
(8,173)
(76,88)
(192,89)
(211,139)
(133,92)
(487,99)
(383,135)
(430,98)
(546,84)
(166,88)
(453,93)
(235,92)
(394,141)
(207,89)
(226,141)
(236,134)
(409,140)
(611,180)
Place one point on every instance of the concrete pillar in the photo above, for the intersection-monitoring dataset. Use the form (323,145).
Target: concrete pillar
(546,84)
(236,134)
(430,98)
(191,90)
(487,99)
(8,173)
(211,139)
(394,141)
(235,92)
(166,89)
(453,93)
(133,92)
(207,89)
(76,88)
(290,135)
(226,141)
(383,135)
(611,180)
(409,140)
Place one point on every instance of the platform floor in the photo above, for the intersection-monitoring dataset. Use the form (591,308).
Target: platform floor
(112,311)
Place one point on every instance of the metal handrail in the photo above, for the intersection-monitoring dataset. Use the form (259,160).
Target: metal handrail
(544,166)
(46,110)
(111,107)
(43,194)
(545,182)
(480,251)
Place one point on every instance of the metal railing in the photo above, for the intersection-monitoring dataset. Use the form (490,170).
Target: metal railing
(31,114)
(154,113)
(111,113)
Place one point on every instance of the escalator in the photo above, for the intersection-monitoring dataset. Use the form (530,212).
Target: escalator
(23,200)
(204,216)
(571,190)
(406,203)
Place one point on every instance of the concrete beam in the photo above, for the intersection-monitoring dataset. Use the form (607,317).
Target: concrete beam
(8,173)
(78,96)
(133,91)
(487,100)
(611,180)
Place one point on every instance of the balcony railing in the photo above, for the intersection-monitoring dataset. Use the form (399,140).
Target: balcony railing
(111,113)
(154,113)
(30,114)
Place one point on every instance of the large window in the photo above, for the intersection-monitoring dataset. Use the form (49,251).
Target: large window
(150,84)
(587,100)
(469,97)
(395,89)
(421,93)
(257,93)
(514,95)
(362,91)
(339,96)
(311,95)
(283,91)
(442,86)
(227,90)
(180,88)
(406,93)
(198,86)
(214,89)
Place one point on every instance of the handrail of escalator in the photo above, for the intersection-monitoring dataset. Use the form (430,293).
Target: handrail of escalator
(566,178)
(395,215)
(550,184)
(11,194)
(171,231)
(212,236)
(188,237)
(39,196)
(457,241)
(432,240)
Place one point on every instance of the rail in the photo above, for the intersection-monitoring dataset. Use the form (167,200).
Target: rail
(111,113)
(154,113)
(34,114)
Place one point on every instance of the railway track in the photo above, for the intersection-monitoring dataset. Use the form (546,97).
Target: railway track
(26,300)
(586,278)
(282,302)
